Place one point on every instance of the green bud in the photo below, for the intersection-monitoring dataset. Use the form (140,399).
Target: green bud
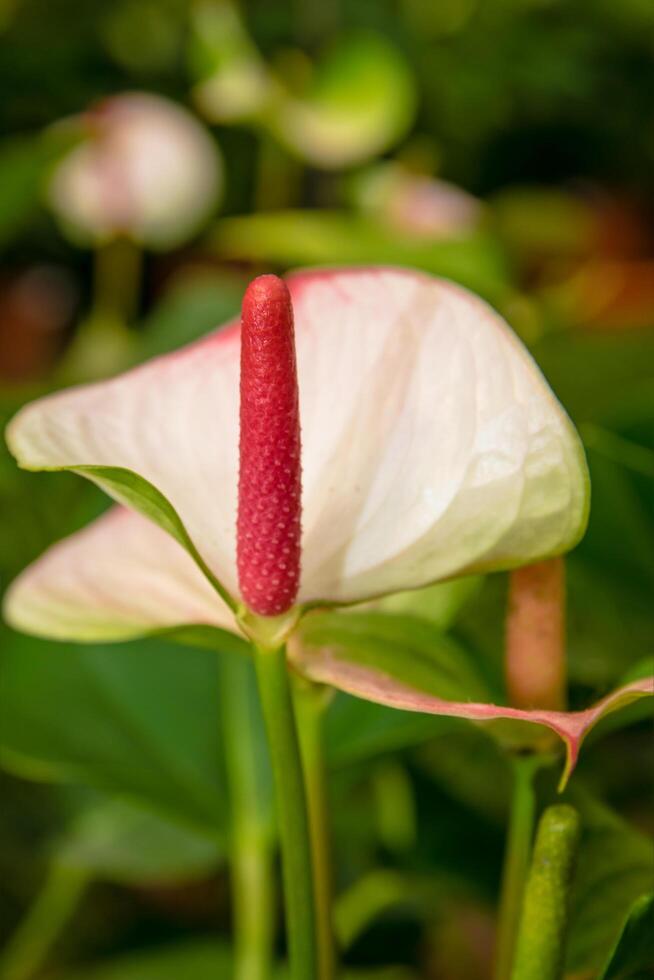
(541,940)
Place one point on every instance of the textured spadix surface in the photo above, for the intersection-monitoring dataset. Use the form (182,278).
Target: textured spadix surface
(431,444)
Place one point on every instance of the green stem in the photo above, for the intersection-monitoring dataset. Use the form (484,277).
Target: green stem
(44,921)
(293,822)
(117,281)
(103,343)
(540,949)
(516,861)
(251,864)
(277,175)
(310,701)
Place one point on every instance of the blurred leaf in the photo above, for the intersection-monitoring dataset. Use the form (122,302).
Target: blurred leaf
(361,101)
(289,238)
(473,770)
(599,378)
(233,81)
(544,223)
(24,164)
(439,604)
(117,841)
(358,730)
(144,35)
(615,867)
(189,309)
(634,950)
(199,960)
(138,719)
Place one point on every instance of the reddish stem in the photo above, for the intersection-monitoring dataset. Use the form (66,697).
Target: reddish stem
(535,636)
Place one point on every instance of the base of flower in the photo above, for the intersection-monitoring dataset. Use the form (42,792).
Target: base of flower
(268,632)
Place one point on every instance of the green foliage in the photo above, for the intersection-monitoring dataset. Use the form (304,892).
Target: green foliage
(117,841)
(615,868)
(23,167)
(188,310)
(634,950)
(140,721)
(291,238)
(404,647)
(544,110)
(193,961)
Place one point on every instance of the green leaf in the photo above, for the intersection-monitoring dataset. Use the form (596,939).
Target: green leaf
(615,868)
(358,730)
(190,308)
(117,841)
(137,719)
(303,238)
(634,950)
(361,100)
(198,960)
(406,648)
(23,166)
(439,604)
(403,663)
(598,377)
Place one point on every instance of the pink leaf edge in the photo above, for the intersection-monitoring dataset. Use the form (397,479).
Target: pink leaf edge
(322,666)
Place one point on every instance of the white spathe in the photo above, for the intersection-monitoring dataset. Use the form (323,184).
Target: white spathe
(432,445)
(118,579)
(146,168)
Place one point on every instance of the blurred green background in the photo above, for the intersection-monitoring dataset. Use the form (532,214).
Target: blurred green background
(505,144)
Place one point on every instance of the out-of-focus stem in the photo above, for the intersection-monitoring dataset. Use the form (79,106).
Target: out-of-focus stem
(310,702)
(516,861)
(44,922)
(103,343)
(292,813)
(535,636)
(251,858)
(117,280)
(540,949)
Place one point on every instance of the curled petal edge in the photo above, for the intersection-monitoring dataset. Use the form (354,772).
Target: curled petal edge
(322,666)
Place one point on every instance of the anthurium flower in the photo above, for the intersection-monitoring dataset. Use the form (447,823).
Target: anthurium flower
(144,167)
(417,204)
(432,447)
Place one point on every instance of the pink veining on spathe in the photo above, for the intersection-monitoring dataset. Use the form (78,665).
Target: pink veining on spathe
(269,491)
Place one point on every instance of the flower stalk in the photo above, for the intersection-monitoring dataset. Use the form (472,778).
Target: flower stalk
(535,636)
(292,811)
(250,839)
(516,860)
(44,922)
(310,702)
